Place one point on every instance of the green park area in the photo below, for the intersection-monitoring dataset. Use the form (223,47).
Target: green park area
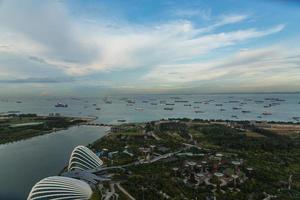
(15,127)
(195,159)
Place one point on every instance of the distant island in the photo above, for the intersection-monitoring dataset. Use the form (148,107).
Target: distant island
(197,159)
(15,126)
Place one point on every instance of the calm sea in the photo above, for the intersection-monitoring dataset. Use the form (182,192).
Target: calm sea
(151,107)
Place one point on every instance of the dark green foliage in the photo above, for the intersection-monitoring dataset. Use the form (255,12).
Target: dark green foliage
(10,134)
(273,157)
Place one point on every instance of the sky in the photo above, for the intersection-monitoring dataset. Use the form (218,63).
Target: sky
(86,47)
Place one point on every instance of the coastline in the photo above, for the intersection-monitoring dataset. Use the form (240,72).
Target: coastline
(89,121)
(13,130)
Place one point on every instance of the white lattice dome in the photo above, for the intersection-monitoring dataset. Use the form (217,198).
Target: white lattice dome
(62,188)
(82,158)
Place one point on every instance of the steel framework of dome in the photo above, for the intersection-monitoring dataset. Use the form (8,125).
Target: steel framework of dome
(59,187)
(82,158)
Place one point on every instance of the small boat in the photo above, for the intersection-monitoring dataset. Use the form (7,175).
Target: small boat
(267,113)
(18,101)
(219,104)
(98,108)
(168,108)
(61,105)
(170,104)
(181,101)
(145,101)
(121,120)
(236,108)
(268,106)
(197,102)
(234,116)
(198,111)
(107,101)
(139,109)
(196,107)
(246,111)
(187,104)
(233,101)
(274,99)
(296,118)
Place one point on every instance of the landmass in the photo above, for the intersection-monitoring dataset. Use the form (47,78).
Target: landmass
(15,126)
(199,159)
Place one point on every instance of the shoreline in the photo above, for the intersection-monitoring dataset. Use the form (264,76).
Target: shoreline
(88,121)
(18,127)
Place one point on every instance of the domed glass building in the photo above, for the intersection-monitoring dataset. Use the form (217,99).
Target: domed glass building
(59,187)
(82,158)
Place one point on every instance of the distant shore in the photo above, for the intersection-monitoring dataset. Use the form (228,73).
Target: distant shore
(15,127)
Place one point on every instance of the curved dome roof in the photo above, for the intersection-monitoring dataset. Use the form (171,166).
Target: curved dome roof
(83,158)
(59,187)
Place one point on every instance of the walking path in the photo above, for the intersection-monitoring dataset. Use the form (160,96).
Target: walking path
(112,193)
(124,191)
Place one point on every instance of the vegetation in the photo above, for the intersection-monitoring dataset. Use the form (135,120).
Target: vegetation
(19,127)
(273,157)
(96,195)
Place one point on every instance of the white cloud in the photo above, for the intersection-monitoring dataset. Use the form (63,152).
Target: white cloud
(44,28)
(277,65)
(231,19)
(164,44)
(192,12)
(223,21)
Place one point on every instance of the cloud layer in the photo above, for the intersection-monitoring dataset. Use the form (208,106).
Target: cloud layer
(42,42)
(269,65)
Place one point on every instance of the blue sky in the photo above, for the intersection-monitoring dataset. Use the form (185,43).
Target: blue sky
(149,46)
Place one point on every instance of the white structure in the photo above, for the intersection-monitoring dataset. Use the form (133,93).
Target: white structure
(82,158)
(59,187)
